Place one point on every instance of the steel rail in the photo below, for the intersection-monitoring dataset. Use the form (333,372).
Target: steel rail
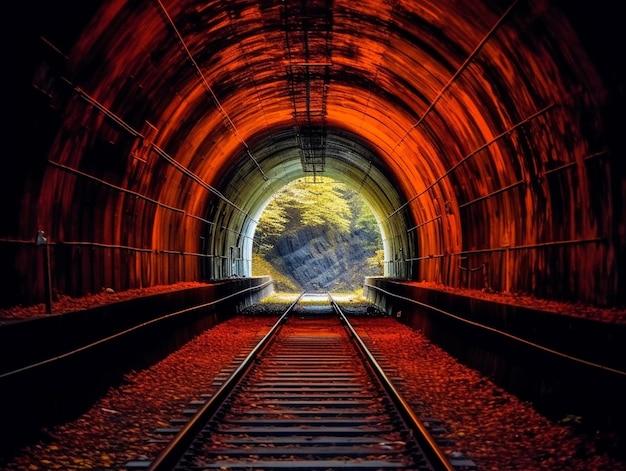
(173,452)
(429,446)
(170,457)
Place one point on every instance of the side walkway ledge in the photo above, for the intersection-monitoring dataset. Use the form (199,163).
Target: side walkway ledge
(53,367)
(564,365)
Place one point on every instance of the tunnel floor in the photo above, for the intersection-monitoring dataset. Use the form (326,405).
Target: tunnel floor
(494,428)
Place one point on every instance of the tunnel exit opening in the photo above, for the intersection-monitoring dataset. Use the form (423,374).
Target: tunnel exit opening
(317,234)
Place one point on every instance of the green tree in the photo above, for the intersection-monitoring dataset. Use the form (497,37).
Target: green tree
(324,204)
(368,229)
(302,203)
(271,225)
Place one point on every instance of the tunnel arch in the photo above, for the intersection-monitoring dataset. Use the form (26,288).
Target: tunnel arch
(482,132)
(348,160)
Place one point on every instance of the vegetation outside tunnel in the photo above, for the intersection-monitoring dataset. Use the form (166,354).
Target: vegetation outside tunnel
(317,236)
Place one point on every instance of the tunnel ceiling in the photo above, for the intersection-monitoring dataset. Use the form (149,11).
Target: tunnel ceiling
(467,126)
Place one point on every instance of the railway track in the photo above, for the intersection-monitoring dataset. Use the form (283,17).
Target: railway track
(309,396)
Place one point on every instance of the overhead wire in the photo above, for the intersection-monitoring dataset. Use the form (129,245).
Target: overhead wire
(448,84)
(210,90)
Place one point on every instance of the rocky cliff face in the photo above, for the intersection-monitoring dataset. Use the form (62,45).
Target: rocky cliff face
(321,259)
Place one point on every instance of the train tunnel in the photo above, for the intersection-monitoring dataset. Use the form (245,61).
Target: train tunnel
(146,137)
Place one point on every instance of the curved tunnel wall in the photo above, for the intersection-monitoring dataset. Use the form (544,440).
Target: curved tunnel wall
(482,135)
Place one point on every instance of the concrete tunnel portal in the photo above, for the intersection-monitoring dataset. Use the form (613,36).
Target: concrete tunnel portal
(349,162)
(153,133)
